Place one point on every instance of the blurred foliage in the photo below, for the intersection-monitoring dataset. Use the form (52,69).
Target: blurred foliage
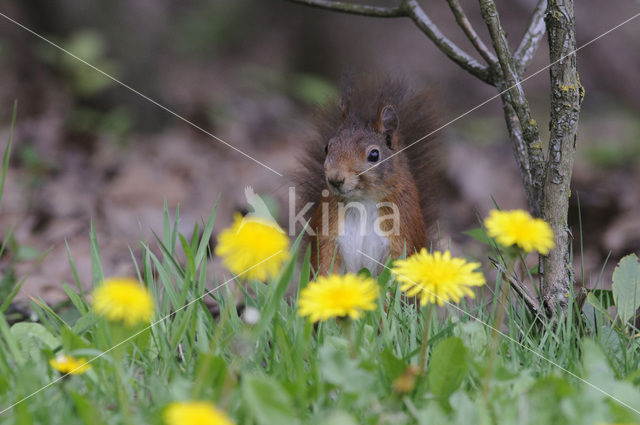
(37,166)
(608,156)
(90,47)
(612,139)
(116,122)
(312,89)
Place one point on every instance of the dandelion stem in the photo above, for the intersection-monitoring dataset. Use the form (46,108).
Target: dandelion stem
(347,326)
(425,339)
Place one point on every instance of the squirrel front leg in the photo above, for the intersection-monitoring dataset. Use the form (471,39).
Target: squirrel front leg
(329,258)
(324,256)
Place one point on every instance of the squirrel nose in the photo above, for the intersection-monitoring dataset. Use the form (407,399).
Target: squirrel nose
(336,183)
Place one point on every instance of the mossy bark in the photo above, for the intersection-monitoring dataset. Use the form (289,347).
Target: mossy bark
(566,97)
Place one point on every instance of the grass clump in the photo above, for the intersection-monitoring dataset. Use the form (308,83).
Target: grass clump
(393,362)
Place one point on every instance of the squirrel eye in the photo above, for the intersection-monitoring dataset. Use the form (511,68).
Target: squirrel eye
(373,156)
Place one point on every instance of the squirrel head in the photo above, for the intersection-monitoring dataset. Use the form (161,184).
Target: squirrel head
(356,165)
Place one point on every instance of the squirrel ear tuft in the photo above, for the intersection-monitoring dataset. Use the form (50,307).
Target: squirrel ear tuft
(387,123)
(387,120)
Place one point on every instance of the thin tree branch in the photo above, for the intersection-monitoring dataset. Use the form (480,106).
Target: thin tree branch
(455,53)
(518,101)
(410,9)
(530,301)
(520,151)
(531,39)
(355,9)
(465,24)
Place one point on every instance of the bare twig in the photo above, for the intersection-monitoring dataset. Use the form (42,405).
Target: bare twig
(531,39)
(455,53)
(530,301)
(410,9)
(465,24)
(511,79)
(355,9)
(519,146)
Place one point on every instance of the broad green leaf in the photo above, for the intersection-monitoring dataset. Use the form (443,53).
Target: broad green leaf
(393,367)
(597,304)
(339,369)
(605,296)
(545,397)
(626,287)
(32,337)
(448,367)
(267,400)
(597,367)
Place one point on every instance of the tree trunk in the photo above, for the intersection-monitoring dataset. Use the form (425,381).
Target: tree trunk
(566,96)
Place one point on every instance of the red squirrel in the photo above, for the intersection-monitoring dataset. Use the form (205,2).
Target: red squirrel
(371,185)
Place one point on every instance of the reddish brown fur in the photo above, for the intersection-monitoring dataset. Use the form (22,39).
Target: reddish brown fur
(370,111)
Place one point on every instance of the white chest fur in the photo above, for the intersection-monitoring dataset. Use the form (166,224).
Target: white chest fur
(359,231)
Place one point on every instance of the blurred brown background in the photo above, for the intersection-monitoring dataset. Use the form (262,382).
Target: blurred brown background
(251,72)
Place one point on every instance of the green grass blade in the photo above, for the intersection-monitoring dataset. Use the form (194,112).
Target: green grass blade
(7,150)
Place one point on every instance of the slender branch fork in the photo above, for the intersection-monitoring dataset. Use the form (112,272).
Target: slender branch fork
(411,9)
(503,69)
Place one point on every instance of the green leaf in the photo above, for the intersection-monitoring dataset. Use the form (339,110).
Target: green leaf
(597,304)
(605,296)
(97,274)
(277,291)
(75,298)
(597,367)
(32,337)
(267,400)
(7,150)
(365,273)
(89,413)
(626,287)
(448,367)
(206,235)
(392,366)
(480,235)
(545,397)
(305,270)
(338,368)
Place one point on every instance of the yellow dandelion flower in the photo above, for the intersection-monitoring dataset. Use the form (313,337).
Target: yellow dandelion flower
(123,300)
(437,278)
(68,364)
(195,413)
(338,296)
(517,227)
(253,247)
